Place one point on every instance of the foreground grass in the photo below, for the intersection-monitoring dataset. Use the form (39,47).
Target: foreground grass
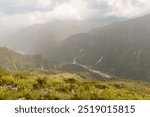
(50,85)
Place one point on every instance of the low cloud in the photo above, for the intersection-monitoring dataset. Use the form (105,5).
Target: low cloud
(29,12)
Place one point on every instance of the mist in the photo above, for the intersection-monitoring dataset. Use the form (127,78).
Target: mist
(100,34)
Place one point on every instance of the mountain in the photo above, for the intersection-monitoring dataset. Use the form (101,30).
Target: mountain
(120,49)
(12,60)
(43,38)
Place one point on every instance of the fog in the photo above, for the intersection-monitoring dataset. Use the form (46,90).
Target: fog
(101,36)
(30,38)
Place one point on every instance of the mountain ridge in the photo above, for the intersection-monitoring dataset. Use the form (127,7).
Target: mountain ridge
(123,47)
(14,61)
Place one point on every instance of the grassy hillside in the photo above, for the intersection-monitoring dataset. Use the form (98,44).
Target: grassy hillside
(37,84)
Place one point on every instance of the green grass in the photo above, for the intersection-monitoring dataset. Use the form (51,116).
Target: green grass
(52,85)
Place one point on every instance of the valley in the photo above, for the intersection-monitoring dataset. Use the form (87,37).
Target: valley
(70,61)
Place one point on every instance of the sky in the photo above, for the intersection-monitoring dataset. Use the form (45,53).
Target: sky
(16,13)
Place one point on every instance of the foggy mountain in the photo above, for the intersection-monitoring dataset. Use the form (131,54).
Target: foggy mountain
(12,60)
(40,38)
(121,49)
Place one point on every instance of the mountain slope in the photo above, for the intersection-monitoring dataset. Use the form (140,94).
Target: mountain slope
(12,60)
(52,85)
(42,38)
(120,49)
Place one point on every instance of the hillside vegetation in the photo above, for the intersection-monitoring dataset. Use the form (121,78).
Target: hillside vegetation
(12,60)
(121,48)
(42,84)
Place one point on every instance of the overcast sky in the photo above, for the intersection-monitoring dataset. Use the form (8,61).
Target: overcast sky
(29,12)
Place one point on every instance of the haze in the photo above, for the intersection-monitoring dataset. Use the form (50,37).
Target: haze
(19,13)
(108,35)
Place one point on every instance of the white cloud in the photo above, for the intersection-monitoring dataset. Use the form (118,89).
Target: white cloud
(28,12)
(66,11)
(128,8)
(44,3)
